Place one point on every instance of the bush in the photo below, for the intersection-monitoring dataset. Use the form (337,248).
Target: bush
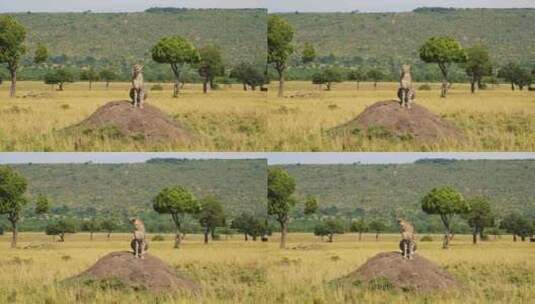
(158,238)
(157,87)
(424,87)
(426,238)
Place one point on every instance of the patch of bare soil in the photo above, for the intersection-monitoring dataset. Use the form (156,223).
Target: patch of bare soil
(390,271)
(124,270)
(119,119)
(386,119)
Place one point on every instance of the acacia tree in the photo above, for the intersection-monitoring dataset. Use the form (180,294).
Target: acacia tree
(309,53)
(443,51)
(41,54)
(176,201)
(107,75)
(445,202)
(42,204)
(90,226)
(12,36)
(211,216)
(59,77)
(509,73)
(211,65)
(517,225)
(89,75)
(12,200)
(248,75)
(60,228)
(357,76)
(311,205)
(280,48)
(178,52)
(479,217)
(327,77)
(377,226)
(359,226)
(109,225)
(329,228)
(281,187)
(477,65)
(375,75)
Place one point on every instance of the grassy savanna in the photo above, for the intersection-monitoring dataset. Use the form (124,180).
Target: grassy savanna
(234,271)
(496,119)
(231,119)
(227,119)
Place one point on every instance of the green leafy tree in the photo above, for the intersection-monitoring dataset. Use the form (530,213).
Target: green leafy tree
(89,75)
(377,226)
(60,228)
(445,202)
(178,52)
(108,76)
(41,54)
(281,187)
(311,205)
(90,226)
(329,228)
(211,65)
(443,51)
(211,216)
(12,36)
(176,201)
(280,48)
(42,204)
(359,226)
(509,73)
(309,53)
(109,225)
(327,77)
(59,77)
(12,200)
(357,76)
(517,225)
(248,75)
(375,75)
(240,223)
(477,65)
(479,217)
(523,78)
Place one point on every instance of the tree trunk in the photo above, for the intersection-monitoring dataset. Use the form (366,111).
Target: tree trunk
(13,87)
(109,235)
(447,231)
(284,231)
(360,236)
(375,85)
(244,86)
(107,85)
(246,239)
(473,85)
(328,86)
(444,90)
(206,233)
(523,238)
(514,237)
(254,238)
(281,83)
(176,88)
(358,85)
(91,235)
(330,238)
(62,237)
(15,234)
(512,86)
(377,236)
(205,86)
(90,85)
(212,85)
(474,237)
(61,86)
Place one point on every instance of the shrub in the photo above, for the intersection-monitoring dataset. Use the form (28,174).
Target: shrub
(158,238)
(426,238)
(157,87)
(424,87)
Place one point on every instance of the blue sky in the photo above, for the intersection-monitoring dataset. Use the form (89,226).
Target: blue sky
(272,5)
(273,158)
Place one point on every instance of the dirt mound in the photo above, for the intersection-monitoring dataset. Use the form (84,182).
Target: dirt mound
(387,118)
(150,274)
(121,119)
(389,270)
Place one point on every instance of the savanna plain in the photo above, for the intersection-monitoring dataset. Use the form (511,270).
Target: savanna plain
(234,271)
(231,119)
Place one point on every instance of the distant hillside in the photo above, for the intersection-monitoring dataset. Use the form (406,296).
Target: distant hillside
(121,39)
(390,38)
(384,190)
(128,188)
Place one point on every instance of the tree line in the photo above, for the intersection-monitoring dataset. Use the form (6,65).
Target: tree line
(444,51)
(181,55)
(179,203)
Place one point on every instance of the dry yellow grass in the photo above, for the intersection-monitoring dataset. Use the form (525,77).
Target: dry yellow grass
(234,271)
(233,120)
